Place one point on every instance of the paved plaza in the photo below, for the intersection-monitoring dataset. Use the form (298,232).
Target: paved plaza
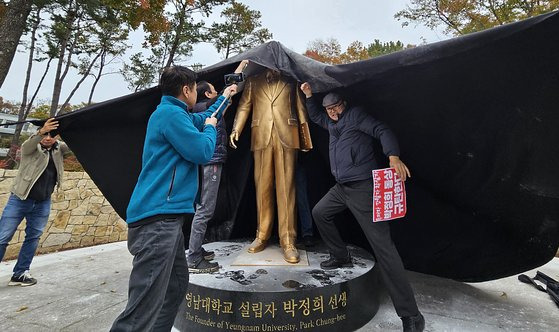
(85,289)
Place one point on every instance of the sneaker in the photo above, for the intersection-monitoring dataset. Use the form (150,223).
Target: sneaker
(203,267)
(208,255)
(413,323)
(334,263)
(25,279)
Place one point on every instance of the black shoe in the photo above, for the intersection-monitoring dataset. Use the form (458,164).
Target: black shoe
(334,263)
(203,267)
(23,280)
(308,241)
(208,255)
(413,323)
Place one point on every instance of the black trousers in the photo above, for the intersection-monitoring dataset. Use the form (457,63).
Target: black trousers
(357,197)
(159,276)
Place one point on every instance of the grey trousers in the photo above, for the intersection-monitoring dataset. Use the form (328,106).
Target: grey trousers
(211,175)
(159,277)
(358,198)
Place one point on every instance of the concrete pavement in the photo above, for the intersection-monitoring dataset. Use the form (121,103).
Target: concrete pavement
(85,289)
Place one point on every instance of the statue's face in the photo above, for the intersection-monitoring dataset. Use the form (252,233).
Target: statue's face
(272,75)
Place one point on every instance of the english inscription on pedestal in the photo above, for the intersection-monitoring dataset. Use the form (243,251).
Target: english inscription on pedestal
(280,298)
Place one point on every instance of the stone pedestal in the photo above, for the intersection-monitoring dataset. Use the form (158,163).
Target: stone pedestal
(261,292)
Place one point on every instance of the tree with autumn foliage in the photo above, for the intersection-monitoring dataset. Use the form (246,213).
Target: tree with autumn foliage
(173,44)
(330,50)
(327,51)
(460,17)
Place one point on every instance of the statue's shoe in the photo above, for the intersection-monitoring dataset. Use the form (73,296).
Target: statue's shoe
(290,254)
(256,246)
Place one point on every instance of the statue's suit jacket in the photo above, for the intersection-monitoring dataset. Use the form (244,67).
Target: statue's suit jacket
(278,104)
(277,111)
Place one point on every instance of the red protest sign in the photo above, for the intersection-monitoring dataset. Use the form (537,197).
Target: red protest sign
(389,195)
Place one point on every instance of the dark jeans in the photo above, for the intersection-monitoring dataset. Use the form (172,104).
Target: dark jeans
(211,175)
(357,197)
(159,276)
(303,207)
(36,214)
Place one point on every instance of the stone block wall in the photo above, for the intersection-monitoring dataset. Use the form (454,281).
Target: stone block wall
(80,216)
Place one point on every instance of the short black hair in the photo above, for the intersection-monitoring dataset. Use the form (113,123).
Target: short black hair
(174,78)
(201,88)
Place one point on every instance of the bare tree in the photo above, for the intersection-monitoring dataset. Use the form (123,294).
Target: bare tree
(11,160)
(466,16)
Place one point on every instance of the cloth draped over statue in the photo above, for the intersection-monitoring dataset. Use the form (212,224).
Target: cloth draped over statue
(476,118)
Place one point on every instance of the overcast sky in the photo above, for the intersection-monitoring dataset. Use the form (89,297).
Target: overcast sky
(294,23)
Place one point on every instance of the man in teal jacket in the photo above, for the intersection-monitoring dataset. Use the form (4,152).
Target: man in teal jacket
(176,142)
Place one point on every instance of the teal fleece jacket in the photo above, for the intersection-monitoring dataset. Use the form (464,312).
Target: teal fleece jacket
(177,141)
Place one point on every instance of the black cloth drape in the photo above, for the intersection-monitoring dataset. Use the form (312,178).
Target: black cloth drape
(476,117)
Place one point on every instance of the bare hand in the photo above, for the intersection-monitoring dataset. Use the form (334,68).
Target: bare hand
(234,137)
(307,90)
(212,120)
(241,66)
(230,91)
(50,125)
(401,168)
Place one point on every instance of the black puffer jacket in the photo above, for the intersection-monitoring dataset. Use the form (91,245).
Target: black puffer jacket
(220,154)
(352,156)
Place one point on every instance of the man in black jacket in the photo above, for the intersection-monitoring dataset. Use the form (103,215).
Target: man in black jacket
(352,159)
(198,258)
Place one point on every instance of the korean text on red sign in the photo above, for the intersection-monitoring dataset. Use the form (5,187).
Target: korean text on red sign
(389,195)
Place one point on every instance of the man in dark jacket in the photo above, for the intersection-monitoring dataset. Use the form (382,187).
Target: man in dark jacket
(352,159)
(198,258)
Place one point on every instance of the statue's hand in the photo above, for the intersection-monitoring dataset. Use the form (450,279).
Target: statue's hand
(234,137)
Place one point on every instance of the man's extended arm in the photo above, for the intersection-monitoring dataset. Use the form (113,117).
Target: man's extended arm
(192,144)
(387,138)
(316,114)
(243,110)
(199,118)
(31,143)
(377,129)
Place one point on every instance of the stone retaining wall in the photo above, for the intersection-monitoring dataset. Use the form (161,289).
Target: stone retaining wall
(80,216)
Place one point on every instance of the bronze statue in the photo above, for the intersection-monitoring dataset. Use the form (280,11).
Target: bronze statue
(278,119)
